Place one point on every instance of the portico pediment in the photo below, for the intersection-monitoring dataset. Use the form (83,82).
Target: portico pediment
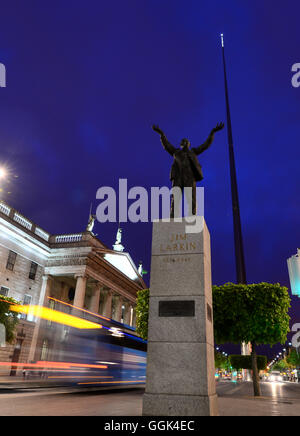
(124,263)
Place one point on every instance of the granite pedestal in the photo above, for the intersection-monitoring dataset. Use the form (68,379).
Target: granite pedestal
(180,358)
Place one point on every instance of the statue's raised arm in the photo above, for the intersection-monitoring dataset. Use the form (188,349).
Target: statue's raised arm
(208,142)
(166,144)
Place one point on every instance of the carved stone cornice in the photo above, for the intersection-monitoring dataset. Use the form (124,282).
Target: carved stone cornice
(67,260)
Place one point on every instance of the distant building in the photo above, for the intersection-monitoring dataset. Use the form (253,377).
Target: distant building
(294,273)
(37,268)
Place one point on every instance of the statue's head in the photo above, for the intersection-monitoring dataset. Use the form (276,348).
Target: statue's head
(185,143)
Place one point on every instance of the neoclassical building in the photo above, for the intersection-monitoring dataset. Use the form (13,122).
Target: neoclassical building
(77,269)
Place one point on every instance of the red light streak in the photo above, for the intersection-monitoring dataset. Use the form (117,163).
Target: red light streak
(58,365)
(119,381)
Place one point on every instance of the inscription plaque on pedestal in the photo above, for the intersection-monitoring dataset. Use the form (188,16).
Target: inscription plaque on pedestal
(176,308)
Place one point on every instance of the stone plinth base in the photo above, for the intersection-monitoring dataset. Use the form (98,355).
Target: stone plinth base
(180,357)
(180,405)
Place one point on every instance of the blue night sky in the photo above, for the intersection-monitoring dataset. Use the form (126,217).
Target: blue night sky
(87,79)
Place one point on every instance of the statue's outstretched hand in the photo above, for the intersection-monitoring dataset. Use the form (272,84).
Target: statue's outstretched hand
(157,129)
(218,127)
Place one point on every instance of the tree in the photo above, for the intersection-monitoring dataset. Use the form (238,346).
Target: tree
(8,318)
(256,313)
(281,365)
(142,313)
(293,358)
(221,361)
(245,362)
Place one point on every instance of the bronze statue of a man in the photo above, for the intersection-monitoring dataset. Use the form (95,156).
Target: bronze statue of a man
(186,170)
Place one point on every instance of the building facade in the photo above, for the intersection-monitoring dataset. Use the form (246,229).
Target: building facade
(37,268)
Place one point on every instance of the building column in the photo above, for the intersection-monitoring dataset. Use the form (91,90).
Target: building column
(131,316)
(118,312)
(80,291)
(108,305)
(64,292)
(45,290)
(133,322)
(43,301)
(95,298)
(127,313)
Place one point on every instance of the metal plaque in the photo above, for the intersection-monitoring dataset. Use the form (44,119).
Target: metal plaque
(176,308)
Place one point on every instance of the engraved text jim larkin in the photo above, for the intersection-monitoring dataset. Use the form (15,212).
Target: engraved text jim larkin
(178,242)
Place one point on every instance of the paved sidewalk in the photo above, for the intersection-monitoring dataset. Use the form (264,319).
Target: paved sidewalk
(278,399)
(262,406)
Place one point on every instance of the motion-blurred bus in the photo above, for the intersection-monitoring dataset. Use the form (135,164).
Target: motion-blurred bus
(77,347)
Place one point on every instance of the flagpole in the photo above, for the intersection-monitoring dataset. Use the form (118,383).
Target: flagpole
(237,227)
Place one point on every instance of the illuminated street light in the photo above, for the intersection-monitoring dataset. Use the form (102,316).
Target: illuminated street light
(6,175)
(3,173)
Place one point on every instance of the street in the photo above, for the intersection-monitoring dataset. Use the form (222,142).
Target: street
(235,399)
(70,402)
(276,391)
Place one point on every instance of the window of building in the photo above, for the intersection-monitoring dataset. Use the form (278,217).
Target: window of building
(26,301)
(11,260)
(33,270)
(4,291)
